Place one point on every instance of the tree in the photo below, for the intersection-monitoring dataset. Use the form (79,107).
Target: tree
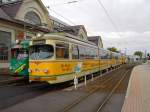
(113,49)
(138,53)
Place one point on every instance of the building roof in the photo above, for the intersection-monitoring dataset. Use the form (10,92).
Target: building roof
(58,20)
(94,39)
(8,12)
(3,15)
(74,30)
(11,8)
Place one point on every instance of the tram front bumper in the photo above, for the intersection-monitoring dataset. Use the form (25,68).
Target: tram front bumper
(42,78)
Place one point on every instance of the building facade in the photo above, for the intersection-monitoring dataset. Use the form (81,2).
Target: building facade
(20,19)
(97,40)
(23,19)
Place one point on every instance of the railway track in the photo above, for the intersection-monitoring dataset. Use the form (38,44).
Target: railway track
(20,92)
(110,83)
(107,98)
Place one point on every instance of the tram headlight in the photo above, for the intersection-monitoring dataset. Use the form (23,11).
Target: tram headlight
(46,71)
(29,70)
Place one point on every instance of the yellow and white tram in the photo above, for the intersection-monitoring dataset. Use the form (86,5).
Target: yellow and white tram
(56,58)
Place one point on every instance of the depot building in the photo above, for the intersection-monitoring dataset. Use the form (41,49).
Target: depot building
(23,19)
(20,19)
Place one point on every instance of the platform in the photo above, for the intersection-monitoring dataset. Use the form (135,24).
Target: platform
(138,93)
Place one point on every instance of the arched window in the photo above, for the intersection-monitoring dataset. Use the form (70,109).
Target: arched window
(32,18)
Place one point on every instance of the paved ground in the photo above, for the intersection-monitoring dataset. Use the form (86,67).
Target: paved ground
(4,68)
(138,94)
(4,72)
(4,77)
(31,99)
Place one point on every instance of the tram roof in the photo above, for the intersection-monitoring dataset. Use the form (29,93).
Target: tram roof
(64,36)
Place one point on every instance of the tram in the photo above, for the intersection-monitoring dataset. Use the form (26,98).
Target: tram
(19,62)
(59,57)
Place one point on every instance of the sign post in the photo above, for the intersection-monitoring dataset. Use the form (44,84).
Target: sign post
(92,78)
(77,70)
(75,82)
(85,80)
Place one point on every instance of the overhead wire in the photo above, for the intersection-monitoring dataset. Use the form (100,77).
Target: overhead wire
(62,16)
(65,17)
(109,17)
(101,5)
(66,3)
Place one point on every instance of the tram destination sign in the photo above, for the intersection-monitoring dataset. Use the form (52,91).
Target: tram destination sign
(39,42)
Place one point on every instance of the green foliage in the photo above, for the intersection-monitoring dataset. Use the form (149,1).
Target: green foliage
(138,53)
(113,49)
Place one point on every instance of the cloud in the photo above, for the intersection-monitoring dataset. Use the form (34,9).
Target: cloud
(131,40)
(132,18)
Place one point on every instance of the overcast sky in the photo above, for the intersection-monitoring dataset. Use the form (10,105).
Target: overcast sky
(131,17)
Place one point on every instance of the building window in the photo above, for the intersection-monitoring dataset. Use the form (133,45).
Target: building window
(32,18)
(62,51)
(5,44)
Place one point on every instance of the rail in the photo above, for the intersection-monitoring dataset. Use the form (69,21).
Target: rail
(106,99)
(92,91)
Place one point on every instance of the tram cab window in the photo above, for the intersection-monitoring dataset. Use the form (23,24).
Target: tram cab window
(62,51)
(19,53)
(75,52)
(38,52)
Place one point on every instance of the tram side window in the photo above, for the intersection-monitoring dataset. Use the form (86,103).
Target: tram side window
(62,51)
(19,53)
(104,54)
(114,56)
(87,50)
(110,55)
(75,52)
(82,52)
(94,53)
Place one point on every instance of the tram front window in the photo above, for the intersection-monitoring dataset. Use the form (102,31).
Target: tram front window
(19,54)
(39,52)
